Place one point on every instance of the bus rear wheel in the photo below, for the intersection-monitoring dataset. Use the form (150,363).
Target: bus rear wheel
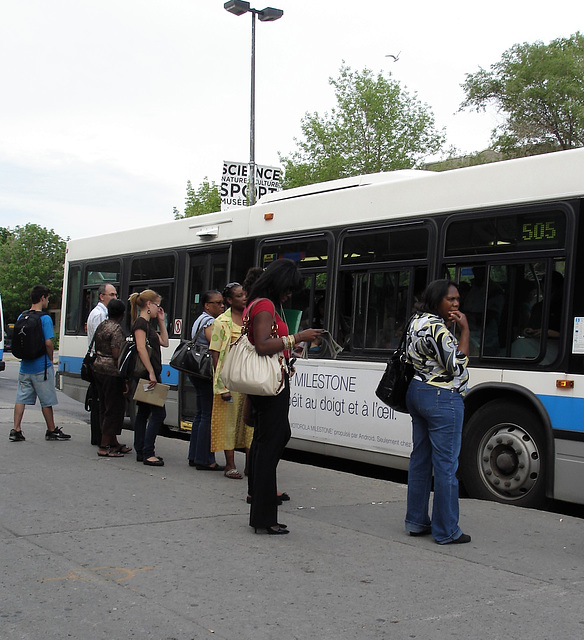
(502,455)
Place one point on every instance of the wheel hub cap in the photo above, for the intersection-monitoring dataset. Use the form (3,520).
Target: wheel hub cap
(509,461)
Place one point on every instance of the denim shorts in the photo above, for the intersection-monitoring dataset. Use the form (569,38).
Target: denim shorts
(33,385)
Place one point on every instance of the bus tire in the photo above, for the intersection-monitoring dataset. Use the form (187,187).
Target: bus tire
(502,456)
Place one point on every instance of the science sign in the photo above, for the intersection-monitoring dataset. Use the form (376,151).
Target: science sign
(235,179)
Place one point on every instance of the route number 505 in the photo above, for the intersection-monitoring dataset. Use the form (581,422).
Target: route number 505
(539,231)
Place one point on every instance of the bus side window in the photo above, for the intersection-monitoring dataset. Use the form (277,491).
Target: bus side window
(386,311)
(155,272)
(74,301)
(536,323)
(346,289)
(541,329)
(505,307)
(307,308)
(375,306)
(483,301)
(380,273)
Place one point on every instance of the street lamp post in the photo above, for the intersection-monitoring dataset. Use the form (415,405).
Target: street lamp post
(238,8)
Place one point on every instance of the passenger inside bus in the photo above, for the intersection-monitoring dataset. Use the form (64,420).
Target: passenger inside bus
(483,302)
(318,315)
(527,297)
(528,345)
(533,329)
(313,316)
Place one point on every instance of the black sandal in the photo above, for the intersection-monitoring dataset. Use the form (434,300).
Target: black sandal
(109,452)
(122,448)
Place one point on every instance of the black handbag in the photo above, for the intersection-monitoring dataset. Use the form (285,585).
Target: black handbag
(87,364)
(394,383)
(129,362)
(194,359)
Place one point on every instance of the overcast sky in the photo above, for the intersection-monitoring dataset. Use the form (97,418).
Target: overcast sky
(110,106)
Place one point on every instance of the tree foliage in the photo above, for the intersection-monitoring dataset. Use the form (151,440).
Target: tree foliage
(206,199)
(29,255)
(540,90)
(375,126)
(5,234)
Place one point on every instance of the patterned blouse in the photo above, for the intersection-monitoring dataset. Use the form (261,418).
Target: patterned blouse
(433,351)
(108,335)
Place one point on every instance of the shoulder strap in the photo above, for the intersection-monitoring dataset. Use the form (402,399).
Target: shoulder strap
(45,356)
(91,343)
(248,314)
(247,318)
(201,329)
(405,335)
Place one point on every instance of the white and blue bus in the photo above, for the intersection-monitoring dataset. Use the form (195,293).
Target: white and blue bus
(509,233)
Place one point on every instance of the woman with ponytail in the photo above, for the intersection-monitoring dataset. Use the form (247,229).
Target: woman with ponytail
(145,307)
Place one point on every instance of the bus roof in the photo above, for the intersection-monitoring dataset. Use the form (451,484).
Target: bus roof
(371,198)
(344,183)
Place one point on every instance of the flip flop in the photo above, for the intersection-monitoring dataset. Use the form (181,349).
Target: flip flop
(122,448)
(109,453)
(208,467)
(233,474)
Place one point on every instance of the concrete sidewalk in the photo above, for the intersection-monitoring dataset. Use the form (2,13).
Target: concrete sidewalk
(109,548)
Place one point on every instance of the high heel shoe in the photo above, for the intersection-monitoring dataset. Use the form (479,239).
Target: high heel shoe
(280,531)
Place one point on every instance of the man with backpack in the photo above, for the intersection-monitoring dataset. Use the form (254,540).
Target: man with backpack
(33,344)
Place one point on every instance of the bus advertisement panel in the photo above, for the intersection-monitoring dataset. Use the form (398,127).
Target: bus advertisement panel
(337,404)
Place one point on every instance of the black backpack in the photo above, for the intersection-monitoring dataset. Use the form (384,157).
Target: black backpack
(28,340)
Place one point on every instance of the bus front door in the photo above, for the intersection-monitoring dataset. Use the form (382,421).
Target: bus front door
(207,270)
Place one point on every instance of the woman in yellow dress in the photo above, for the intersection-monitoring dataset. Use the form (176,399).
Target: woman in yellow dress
(228,430)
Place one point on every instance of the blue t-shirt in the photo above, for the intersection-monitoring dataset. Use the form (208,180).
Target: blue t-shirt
(38,364)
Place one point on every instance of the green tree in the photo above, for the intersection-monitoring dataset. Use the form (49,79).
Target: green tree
(206,199)
(375,126)
(30,255)
(539,89)
(5,234)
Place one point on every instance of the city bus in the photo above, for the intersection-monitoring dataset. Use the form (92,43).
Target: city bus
(508,233)
(2,363)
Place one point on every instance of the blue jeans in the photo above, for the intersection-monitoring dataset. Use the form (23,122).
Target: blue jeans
(200,445)
(145,431)
(437,416)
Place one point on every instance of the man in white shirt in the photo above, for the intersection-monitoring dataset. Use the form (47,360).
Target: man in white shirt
(98,314)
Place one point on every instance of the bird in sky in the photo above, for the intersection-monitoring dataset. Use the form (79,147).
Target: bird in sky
(395,58)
